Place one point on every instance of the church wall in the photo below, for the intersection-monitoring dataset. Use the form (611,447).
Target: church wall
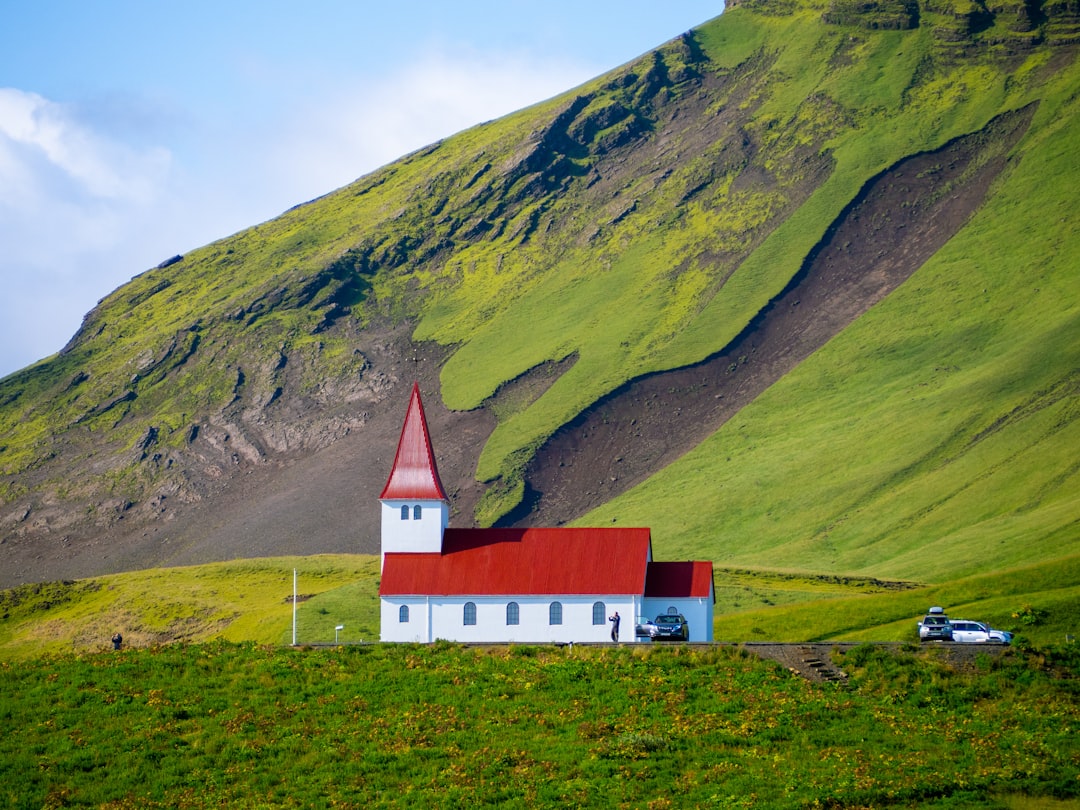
(416,629)
(433,618)
(411,534)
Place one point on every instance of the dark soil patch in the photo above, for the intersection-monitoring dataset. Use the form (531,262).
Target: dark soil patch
(894,225)
(300,504)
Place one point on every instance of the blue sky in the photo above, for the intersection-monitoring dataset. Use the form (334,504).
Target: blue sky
(133,131)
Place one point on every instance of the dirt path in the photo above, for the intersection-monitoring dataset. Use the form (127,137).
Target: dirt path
(816,661)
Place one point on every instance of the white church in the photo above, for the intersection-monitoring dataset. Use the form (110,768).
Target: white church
(516,585)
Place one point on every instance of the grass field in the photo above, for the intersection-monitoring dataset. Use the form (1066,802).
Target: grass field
(208,705)
(250,601)
(444,726)
(243,600)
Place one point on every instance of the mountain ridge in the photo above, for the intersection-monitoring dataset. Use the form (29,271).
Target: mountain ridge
(523,270)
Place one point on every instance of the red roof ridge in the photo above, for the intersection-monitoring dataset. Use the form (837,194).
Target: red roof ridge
(536,561)
(693,578)
(414,475)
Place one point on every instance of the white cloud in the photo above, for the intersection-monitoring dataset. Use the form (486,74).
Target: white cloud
(82,209)
(99,168)
(70,201)
(339,136)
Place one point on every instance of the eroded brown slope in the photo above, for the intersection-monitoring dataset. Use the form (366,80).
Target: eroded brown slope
(284,504)
(895,224)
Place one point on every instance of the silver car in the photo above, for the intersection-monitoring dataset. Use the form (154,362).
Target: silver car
(935,626)
(978,633)
(645,628)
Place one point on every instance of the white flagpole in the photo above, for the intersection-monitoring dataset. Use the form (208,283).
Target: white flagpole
(294,607)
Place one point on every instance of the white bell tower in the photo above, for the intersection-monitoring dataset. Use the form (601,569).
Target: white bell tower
(415,509)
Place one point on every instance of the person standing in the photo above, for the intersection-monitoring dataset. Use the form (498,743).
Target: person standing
(117,641)
(614,626)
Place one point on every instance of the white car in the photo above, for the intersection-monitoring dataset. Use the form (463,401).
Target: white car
(978,633)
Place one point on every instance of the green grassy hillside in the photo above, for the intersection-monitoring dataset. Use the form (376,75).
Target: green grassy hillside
(867,100)
(938,435)
(523,727)
(243,600)
(636,224)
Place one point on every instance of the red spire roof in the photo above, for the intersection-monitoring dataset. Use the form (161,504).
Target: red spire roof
(414,476)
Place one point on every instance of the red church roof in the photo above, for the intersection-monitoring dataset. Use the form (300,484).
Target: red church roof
(525,562)
(680,580)
(414,476)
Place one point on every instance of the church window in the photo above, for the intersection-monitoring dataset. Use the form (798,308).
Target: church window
(513,613)
(404,513)
(598,612)
(403,614)
(555,613)
(470,613)
(416,512)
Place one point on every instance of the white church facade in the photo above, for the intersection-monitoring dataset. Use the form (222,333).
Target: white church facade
(516,585)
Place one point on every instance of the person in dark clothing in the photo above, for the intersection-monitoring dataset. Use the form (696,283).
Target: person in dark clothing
(117,640)
(614,626)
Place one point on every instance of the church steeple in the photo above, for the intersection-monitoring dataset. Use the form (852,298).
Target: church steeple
(415,509)
(414,475)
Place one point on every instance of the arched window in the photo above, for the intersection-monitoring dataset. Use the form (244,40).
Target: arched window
(555,613)
(416,512)
(403,614)
(598,612)
(470,613)
(404,513)
(672,611)
(513,613)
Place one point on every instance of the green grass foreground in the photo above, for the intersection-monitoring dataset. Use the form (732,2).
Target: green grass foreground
(246,725)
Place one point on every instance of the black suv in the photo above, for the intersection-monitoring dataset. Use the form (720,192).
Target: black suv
(672,627)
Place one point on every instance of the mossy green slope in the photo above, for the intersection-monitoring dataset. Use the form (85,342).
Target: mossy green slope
(637,224)
(937,436)
(886,120)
